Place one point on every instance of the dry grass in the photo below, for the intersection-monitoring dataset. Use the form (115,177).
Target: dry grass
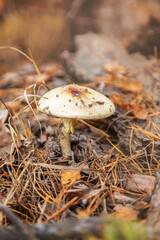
(43,31)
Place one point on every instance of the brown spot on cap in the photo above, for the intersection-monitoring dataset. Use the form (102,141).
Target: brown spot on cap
(90,105)
(82,101)
(86,90)
(99,102)
(47,110)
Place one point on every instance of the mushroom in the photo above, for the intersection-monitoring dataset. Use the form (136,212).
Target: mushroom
(73,102)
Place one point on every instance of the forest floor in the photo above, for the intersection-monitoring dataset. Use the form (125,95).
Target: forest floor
(115,159)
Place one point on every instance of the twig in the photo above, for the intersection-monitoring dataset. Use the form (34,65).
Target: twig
(19,231)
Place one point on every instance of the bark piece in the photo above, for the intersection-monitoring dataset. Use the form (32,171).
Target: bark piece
(140,183)
(153,218)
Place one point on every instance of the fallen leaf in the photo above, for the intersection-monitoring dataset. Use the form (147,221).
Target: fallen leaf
(82,214)
(126,213)
(139,111)
(129,85)
(119,101)
(118,77)
(70,176)
(115,68)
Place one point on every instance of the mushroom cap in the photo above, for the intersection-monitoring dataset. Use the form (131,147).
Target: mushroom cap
(76,102)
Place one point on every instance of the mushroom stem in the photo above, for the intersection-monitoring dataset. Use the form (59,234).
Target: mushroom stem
(65,143)
(67,128)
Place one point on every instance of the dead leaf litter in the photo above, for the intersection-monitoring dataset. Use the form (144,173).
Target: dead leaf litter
(113,157)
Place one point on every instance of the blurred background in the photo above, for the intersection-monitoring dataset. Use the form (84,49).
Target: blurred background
(47,27)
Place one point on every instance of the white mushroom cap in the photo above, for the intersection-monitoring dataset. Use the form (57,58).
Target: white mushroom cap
(76,102)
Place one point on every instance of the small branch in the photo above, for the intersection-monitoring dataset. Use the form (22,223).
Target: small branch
(18,231)
(71,229)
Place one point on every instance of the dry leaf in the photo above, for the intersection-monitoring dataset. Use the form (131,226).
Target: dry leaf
(126,213)
(139,111)
(115,68)
(118,77)
(119,101)
(129,85)
(70,176)
(82,214)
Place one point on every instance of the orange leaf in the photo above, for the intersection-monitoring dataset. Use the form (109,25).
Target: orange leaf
(126,213)
(70,176)
(119,101)
(130,85)
(139,111)
(118,77)
(83,214)
(115,68)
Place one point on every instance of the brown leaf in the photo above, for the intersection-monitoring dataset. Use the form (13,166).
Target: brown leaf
(82,214)
(118,77)
(129,85)
(126,213)
(119,101)
(139,111)
(70,176)
(115,68)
